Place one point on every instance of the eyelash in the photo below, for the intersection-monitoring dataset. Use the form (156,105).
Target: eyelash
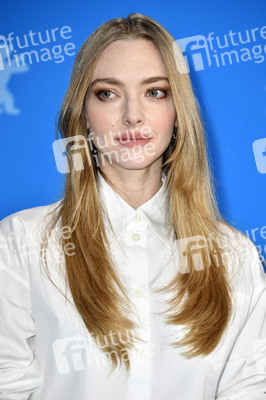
(97,94)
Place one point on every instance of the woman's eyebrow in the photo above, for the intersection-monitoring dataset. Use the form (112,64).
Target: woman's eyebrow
(117,82)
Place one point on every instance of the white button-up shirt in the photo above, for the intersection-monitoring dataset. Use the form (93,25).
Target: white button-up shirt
(46,352)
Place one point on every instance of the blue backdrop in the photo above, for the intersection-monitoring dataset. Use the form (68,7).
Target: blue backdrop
(224,44)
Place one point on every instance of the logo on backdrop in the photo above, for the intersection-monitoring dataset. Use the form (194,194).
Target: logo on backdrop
(8,68)
(259,150)
(17,53)
(201,52)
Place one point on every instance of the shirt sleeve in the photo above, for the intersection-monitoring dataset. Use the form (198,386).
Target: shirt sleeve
(244,376)
(19,372)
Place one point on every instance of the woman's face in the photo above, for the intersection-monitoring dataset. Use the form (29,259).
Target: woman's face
(129,107)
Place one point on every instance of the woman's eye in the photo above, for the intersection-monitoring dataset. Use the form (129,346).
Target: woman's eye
(154,93)
(104,94)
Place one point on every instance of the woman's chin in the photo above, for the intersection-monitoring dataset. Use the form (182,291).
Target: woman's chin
(132,163)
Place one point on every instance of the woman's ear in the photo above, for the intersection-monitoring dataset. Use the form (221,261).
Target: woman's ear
(87,120)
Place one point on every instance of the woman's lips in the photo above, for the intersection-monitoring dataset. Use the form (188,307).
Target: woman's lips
(134,142)
(131,140)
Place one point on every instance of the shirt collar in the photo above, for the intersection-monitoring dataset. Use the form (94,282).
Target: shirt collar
(118,213)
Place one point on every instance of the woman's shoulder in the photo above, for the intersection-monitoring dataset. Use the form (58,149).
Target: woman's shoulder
(241,254)
(232,237)
(27,218)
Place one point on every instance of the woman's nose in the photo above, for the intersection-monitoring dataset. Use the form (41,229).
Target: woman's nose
(133,111)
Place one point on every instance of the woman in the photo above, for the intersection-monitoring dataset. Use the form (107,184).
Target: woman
(135,288)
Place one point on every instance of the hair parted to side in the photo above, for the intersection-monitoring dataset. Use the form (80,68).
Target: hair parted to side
(97,291)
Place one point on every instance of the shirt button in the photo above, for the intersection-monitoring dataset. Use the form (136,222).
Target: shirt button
(135,237)
(137,218)
(138,293)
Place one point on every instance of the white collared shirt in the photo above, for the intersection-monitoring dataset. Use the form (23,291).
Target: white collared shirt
(46,352)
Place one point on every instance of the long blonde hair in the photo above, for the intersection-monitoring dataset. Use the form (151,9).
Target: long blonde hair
(97,291)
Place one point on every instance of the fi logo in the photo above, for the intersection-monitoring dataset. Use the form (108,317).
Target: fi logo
(193,251)
(195,51)
(74,146)
(259,150)
(70,354)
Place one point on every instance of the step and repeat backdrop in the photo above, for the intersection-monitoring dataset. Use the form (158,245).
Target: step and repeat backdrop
(224,45)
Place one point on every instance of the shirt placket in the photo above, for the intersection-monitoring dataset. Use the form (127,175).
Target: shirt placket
(139,385)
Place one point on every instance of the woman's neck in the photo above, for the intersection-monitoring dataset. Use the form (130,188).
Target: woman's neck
(136,187)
